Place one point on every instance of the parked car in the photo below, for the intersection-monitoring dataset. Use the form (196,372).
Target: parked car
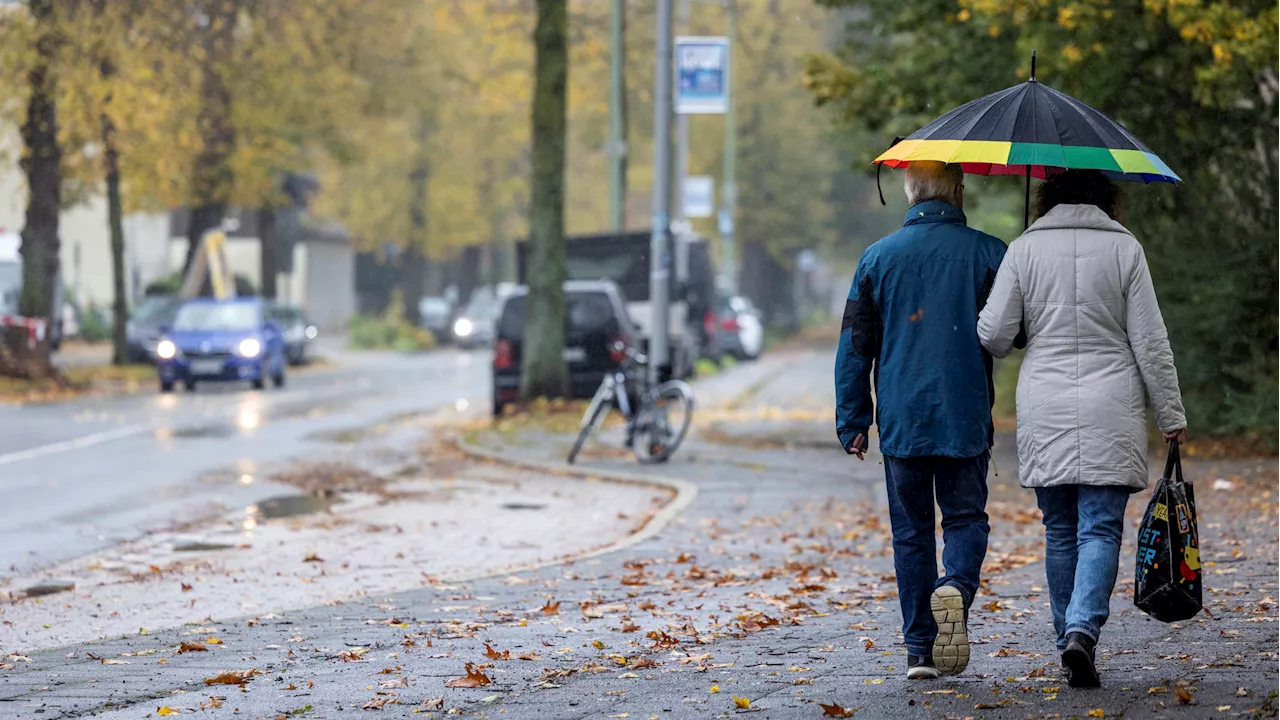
(474,326)
(739,330)
(142,331)
(297,330)
(436,314)
(595,319)
(221,340)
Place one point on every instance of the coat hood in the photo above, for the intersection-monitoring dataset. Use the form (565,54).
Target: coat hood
(1077,217)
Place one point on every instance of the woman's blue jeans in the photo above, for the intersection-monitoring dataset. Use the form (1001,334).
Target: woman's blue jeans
(1083,525)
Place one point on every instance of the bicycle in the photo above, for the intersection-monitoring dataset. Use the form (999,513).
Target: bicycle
(651,433)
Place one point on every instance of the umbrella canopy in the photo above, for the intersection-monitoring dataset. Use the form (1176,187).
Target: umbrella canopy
(1031,129)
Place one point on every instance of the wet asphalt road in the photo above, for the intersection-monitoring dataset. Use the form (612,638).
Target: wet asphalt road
(81,475)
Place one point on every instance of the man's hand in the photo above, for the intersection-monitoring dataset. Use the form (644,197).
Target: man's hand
(859,446)
(1179,435)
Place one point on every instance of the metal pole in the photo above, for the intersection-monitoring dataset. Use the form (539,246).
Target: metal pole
(682,132)
(659,260)
(728,189)
(617,143)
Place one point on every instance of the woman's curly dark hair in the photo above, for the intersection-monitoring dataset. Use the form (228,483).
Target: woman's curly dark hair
(1079,187)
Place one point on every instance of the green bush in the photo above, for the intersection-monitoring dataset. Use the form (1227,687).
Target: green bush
(387,333)
(95,326)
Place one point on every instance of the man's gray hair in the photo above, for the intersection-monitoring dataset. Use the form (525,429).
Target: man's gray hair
(932,180)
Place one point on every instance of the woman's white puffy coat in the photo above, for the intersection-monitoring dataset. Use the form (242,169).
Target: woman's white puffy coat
(1097,346)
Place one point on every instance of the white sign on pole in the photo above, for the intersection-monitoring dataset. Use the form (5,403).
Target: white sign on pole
(702,75)
(698,196)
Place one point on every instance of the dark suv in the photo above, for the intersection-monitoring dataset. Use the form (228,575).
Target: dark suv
(595,318)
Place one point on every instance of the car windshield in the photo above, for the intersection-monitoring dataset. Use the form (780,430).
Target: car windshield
(153,309)
(433,306)
(217,316)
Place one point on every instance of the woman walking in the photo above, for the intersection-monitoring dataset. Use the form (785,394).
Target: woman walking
(1077,283)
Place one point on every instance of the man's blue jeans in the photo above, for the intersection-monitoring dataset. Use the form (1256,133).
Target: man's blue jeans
(961,489)
(1083,525)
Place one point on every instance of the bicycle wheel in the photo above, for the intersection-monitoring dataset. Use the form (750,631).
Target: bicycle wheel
(592,418)
(663,421)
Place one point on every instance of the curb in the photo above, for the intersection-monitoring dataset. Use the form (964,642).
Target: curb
(685,493)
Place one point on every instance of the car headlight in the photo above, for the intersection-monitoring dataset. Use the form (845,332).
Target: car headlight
(462,327)
(250,347)
(165,349)
(311,332)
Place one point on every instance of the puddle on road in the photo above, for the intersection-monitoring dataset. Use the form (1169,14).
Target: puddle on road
(292,506)
(522,506)
(201,547)
(49,588)
(214,432)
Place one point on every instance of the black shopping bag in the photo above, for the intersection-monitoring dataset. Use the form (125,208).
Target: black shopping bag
(1169,582)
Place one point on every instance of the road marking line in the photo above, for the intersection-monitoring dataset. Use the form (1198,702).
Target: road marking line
(80,442)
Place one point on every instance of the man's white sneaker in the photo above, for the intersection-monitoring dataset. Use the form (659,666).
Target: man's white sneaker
(951,647)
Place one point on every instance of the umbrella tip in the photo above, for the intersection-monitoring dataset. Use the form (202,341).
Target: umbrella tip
(1033,66)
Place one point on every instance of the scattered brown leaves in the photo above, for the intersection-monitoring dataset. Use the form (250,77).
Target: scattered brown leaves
(835,711)
(473,678)
(231,677)
(377,701)
(492,654)
(551,608)
(1184,692)
(187,647)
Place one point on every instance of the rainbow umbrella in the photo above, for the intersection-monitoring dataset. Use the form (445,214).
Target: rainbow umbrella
(1033,130)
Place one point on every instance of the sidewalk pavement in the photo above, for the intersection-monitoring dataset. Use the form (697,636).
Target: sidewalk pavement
(772,594)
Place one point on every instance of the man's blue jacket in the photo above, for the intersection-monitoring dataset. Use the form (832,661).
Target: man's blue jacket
(912,313)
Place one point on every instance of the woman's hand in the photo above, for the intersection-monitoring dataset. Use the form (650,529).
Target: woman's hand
(1179,435)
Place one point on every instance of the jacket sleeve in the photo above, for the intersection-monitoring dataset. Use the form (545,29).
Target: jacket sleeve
(859,350)
(1000,322)
(1149,340)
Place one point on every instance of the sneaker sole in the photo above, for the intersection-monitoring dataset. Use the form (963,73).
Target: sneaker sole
(1081,672)
(951,647)
(923,673)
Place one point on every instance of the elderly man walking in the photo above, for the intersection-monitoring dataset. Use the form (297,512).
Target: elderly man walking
(910,318)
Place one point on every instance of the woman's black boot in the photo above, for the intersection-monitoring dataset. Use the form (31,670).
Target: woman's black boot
(1077,658)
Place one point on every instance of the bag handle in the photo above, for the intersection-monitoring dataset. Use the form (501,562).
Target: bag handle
(1173,465)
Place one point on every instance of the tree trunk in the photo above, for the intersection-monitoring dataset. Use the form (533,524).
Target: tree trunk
(544,369)
(468,273)
(413,267)
(270,241)
(42,164)
(115,219)
(412,272)
(212,177)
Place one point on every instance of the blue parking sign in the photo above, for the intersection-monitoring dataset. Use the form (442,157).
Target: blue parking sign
(702,75)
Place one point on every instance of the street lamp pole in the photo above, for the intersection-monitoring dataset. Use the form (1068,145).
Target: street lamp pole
(682,133)
(659,257)
(617,142)
(728,188)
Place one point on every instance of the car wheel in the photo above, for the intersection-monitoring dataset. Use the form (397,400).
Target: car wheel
(278,379)
(190,385)
(166,386)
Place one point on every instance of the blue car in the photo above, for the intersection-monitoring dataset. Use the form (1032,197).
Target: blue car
(221,340)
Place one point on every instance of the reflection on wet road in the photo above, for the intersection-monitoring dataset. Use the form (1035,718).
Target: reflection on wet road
(77,476)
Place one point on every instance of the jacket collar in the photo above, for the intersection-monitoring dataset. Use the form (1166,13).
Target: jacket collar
(934,211)
(1076,217)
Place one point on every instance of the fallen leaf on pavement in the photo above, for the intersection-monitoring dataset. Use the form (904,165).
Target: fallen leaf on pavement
(1157,690)
(473,678)
(231,677)
(397,683)
(187,647)
(353,655)
(947,691)
(1184,693)
(1097,712)
(835,711)
(214,702)
(629,627)
(213,640)
(530,656)
(644,662)
(715,688)
(1241,692)
(112,661)
(379,700)
(312,557)
(742,702)
(492,654)
(433,704)
(166,710)
(551,608)
(186,588)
